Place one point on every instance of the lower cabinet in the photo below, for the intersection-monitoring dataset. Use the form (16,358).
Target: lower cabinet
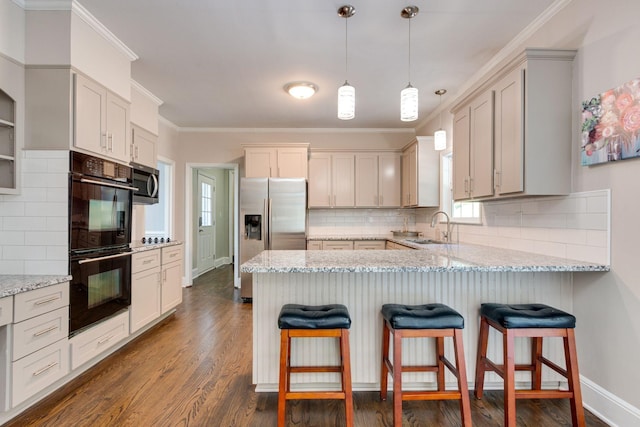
(392,245)
(146,288)
(99,338)
(344,245)
(360,245)
(171,277)
(337,245)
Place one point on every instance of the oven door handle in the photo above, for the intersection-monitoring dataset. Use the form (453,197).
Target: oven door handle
(86,260)
(124,187)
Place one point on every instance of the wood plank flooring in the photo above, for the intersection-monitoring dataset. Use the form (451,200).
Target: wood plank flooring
(194,369)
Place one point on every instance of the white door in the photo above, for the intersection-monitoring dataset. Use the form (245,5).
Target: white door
(206,223)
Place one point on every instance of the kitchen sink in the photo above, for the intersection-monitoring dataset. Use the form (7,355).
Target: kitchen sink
(425,241)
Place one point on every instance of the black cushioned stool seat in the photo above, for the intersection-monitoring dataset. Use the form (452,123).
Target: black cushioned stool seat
(534,321)
(423,321)
(304,321)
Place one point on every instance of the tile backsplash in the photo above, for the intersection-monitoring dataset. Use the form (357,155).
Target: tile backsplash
(33,224)
(327,222)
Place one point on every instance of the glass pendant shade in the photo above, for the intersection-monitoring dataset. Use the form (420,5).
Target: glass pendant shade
(409,104)
(346,102)
(440,140)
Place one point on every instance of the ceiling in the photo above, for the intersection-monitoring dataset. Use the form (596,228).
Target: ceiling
(222,64)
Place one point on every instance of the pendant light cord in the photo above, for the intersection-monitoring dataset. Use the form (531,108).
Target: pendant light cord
(346,48)
(409,62)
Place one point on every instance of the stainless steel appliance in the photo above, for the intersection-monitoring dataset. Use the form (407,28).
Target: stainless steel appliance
(273,216)
(100,205)
(147,181)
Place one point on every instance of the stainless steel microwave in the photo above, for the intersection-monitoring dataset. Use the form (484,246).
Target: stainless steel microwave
(147,182)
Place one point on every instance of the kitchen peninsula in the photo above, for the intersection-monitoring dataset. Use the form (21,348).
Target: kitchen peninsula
(461,276)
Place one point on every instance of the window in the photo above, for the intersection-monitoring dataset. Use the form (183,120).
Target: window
(467,212)
(205,213)
(157,217)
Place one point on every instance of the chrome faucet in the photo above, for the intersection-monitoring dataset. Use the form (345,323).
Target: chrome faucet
(447,234)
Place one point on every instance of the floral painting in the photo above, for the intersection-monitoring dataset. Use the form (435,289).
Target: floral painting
(611,125)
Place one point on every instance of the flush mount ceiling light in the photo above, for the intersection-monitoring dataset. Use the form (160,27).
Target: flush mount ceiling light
(440,137)
(346,92)
(409,95)
(301,90)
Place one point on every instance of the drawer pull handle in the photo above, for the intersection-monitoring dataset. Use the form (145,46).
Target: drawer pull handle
(45,369)
(105,339)
(147,261)
(48,300)
(44,331)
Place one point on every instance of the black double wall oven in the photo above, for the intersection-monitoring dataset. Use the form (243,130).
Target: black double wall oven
(100,206)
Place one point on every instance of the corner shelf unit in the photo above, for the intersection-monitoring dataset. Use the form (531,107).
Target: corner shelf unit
(8,151)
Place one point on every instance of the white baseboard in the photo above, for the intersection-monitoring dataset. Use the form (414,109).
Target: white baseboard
(222,261)
(607,406)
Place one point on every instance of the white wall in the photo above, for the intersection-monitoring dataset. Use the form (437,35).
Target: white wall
(12,31)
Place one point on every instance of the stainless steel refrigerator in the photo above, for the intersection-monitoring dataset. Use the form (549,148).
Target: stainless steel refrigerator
(273,216)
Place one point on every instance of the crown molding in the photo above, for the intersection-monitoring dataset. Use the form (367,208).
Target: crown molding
(146,93)
(85,15)
(295,130)
(168,123)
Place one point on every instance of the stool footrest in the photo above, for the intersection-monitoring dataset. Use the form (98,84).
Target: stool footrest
(431,395)
(306,395)
(305,369)
(543,394)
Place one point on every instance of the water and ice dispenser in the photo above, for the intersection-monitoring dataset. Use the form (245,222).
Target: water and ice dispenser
(253,227)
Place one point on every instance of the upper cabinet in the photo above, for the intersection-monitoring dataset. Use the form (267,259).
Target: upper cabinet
(8,146)
(143,147)
(331,180)
(420,174)
(512,135)
(276,161)
(377,179)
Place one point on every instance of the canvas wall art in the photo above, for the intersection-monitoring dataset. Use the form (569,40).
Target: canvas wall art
(611,125)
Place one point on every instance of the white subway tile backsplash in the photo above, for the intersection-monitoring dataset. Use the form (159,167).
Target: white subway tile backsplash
(58,195)
(46,267)
(588,253)
(12,267)
(571,236)
(597,238)
(49,209)
(28,195)
(11,238)
(24,223)
(46,238)
(24,253)
(45,180)
(597,204)
(590,221)
(59,253)
(545,221)
(9,209)
(46,154)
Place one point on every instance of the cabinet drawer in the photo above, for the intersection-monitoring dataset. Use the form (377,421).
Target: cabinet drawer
(99,338)
(337,246)
(38,332)
(171,254)
(40,301)
(141,261)
(369,245)
(6,310)
(38,370)
(314,245)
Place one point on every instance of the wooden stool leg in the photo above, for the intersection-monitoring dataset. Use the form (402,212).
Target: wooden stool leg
(283,383)
(440,363)
(465,405)
(345,355)
(384,371)
(509,379)
(536,354)
(483,338)
(573,376)
(397,378)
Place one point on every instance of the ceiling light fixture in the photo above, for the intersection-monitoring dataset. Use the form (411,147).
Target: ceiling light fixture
(346,92)
(440,137)
(301,90)
(409,95)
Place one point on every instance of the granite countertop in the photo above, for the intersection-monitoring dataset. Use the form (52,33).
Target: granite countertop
(432,257)
(18,283)
(351,237)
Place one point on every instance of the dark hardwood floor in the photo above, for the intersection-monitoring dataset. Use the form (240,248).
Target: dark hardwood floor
(194,369)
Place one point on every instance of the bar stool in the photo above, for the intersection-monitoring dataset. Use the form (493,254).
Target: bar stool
(423,321)
(533,321)
(302,321)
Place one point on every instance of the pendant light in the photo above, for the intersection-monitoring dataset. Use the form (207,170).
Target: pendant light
(440,137)
(346,92)
(409,95)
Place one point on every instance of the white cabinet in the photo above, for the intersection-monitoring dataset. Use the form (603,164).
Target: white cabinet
(512,135)
(143,147)
(8,146)
(473,148)
(171,277)
(6,310)
(360,245)
(98,338)
(331,180)
(146,288)
(337,245)
(420,174)
(314,245)
(377,179)
(286,161)
(397,246)
(101,120)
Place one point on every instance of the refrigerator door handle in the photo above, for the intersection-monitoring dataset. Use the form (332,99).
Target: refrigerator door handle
(270,221)
(265,225)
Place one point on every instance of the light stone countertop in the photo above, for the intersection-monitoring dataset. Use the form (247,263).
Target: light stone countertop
(431,258)
(351,237)
(142,247)
(18,283)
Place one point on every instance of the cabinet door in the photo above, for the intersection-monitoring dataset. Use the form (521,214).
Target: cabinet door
(413,175)
(260,162)
(343,180)
(509,139)
(143,149)
(405,179)
(89,115)
(389,180)
(369,245)
(292,162)
(314,245)
(320,195)
(118,127)
(171,285)
(145,298)
(481,138)
(367,180)
(461,154)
